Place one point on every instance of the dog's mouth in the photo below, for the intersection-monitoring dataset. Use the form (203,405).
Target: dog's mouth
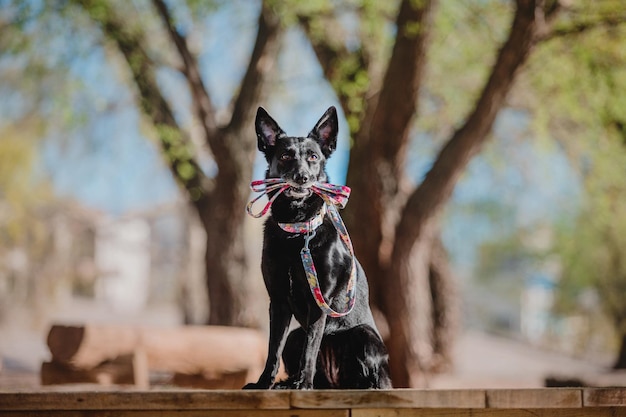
(298,192)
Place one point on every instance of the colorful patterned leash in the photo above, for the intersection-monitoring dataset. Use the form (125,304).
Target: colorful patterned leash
(334,196)
(265,187)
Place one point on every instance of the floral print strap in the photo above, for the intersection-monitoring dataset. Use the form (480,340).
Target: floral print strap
(311,273)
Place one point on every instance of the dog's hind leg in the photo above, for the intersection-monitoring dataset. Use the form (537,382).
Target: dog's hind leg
(292,354)
(301,356)
(293,351)
(355,359)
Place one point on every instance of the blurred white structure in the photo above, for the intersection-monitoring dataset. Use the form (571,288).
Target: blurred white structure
(122,257)
(536,308)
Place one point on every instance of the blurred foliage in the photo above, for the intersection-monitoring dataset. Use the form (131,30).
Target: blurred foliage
(352,40)
(22,191)
(593,249)
(580,76)
(571,89)
(34,95)
(38,89)
(510,256)
(25,198)
(465,39)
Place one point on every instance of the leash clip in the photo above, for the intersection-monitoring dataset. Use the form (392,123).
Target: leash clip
(310,234)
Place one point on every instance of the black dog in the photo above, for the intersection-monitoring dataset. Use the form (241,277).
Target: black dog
(325,352)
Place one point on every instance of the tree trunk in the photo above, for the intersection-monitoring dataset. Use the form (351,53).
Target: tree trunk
(430,306)
(225,260)
(445,307)
(377,159)
(409,314)
(620,363)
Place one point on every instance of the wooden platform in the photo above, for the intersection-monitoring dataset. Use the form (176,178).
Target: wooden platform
(559,402)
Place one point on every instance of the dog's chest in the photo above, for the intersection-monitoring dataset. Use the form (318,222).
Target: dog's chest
(299,296)
(331,262)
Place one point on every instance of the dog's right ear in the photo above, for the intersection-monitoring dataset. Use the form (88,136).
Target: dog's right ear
(325,131)
(267,130)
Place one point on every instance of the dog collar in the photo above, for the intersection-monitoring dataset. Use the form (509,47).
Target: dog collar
(305,227)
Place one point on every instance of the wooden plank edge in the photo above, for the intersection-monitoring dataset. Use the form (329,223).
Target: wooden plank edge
(534,398)
(146,400)
(396,398)
(490,412)
(603,397)
(545,398)
(178,413)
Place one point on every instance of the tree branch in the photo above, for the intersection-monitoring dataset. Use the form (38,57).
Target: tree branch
(398,101)
(438,184)
(327,41)
(260,64)
(200,96)
(174,143)
(347,71)
(580,27)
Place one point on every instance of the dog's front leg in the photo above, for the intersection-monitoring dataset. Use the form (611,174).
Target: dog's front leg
(280,317)
(308,361)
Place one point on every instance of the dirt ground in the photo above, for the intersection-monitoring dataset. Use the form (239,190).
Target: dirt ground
(487,361)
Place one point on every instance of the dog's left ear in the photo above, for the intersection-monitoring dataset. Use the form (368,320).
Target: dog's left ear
(325,131)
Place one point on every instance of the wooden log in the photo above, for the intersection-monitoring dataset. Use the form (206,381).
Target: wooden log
(133,371)
(117,372)
(611,378)
(207,350)
(85,347)
(210,352)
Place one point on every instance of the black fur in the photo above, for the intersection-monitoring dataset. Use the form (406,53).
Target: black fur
(325,352)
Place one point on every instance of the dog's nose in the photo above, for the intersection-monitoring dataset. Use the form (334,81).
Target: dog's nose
(300,178)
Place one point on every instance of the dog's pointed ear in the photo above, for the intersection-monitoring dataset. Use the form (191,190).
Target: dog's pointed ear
(267,130)
(325,131)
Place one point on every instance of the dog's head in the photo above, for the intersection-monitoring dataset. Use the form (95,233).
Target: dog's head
(300,161)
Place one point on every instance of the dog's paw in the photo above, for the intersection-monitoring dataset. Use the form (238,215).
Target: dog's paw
(283,385)
(292,384)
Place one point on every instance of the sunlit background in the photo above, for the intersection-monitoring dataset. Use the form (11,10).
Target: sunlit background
(93,227)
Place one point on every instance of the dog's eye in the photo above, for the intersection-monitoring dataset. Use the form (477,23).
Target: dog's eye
(313,157)
(286,157)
